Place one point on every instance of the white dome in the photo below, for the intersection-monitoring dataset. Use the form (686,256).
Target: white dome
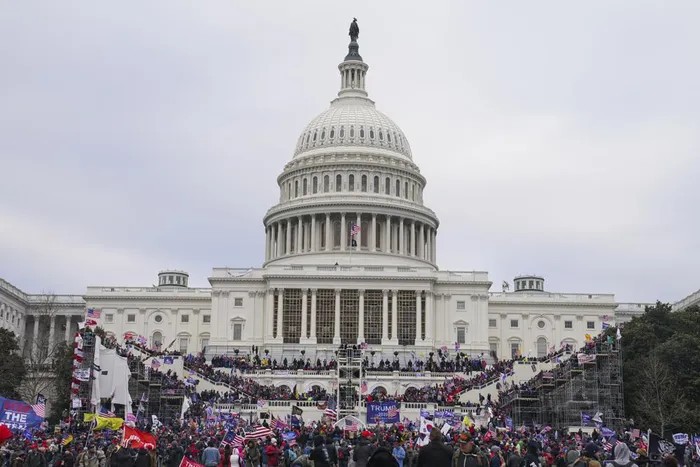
(353,121)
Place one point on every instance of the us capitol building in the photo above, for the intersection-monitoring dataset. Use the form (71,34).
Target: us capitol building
(350,258)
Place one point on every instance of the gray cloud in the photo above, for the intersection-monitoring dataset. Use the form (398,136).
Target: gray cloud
(556,138)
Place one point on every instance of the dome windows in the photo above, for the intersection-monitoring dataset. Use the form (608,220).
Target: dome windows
(364,184)
(398,187)
(332,132)
(371,133)
(387,186)
(326,183)
(405,190)
(305,185)
(338,183)
(342,132)
(352,131)
(315,134)
(381,135)
(362,132)
(388,136)
(296,188)
(375,185)
(323,134)
(351,182)
(314,185)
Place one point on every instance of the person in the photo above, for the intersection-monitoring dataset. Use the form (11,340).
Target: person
(252,455)
(532,458)
(319,455)
(621,455)
(363,451)
(496,457)
(399,453)
(273,453)
(468,453)
(175,454)
(142,458)
(435,453)
(382,457)
(234,460)
(571,457)
(35,458)
(226,459)
(587,458)
(343,454)
(94,458)
(211,456)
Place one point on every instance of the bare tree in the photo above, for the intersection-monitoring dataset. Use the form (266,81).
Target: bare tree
(40,350)
(660,401)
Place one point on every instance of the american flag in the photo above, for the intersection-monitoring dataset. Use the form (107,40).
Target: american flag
(363,387)
(40,409)
(105,413)
(392,412)
(330,413)
(155,363)
(93,313)
(259,432)
(356,229)
(351,425)
(278,424)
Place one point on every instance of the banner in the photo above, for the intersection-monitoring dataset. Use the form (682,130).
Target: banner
(18,415)
(680,438)
(108,423)
(585,358)
(387,412)
(137,438)
(186,462)
(659,447)
(585,419)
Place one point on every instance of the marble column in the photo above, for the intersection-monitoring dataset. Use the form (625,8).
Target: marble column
(358,237)
(387,235)
(385,317)
(429,317)
(343,232)
(329,247)
(421,242)
(429,242)
(35,336)
(373,237)
(394,317)
(288,248)
(67,330)
(312,337)
(269,313)
(401,239)
(413,239)
(434,245)
(314,236)
(280,315)
(361,318)
(304,317)
(300,230)
(52,330)
(336,327)
(278,240)
(419,294)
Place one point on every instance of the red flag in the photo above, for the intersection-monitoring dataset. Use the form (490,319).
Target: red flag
(186,462)
(5,433)
(137,438)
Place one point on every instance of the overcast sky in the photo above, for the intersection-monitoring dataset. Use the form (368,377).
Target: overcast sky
(558,138)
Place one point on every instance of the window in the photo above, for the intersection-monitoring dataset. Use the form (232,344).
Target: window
(461,335)
(296,188)
(398,188)
(364,183)
(376,184)
(323,134)
(304,187)
(314,185)
(177,280)
(540,324)
(362,132)
(529,284)
(338,183)
(109,318)
(493,347)
(206,319)
(170,279)
(183,345)
(590,325)
(514,349)
(405,190)
(184,318)
(238,301)
(204,343)
(158,318)
(352,131)
(326,183)
(351,182)
(342,132)
(371,133)
(568,324)
(492,323)
(513,323)
(541,347)
(332,132)
(381,135)
(237,331)
(461,306)
(387,186)
(130,318)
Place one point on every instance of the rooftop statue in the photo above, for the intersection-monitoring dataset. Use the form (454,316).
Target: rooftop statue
(354,30)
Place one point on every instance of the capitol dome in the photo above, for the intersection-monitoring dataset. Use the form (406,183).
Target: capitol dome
(352,122)
(351,188)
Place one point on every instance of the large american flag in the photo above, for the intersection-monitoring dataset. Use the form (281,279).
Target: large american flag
(330,413)
(351,425)
(259,432)
(355,229)
(93,313)
(278,424)
(40,409)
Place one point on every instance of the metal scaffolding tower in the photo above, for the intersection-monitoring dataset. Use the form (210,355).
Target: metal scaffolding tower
(349,378)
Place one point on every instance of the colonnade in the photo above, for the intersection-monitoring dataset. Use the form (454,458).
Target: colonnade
(314,233)
(422,320)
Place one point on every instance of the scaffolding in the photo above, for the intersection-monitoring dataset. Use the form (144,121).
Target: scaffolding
(349,378)
(85,387)
(560,397)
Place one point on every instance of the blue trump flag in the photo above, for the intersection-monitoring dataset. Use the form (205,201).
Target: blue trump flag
(18,415)
(387,412)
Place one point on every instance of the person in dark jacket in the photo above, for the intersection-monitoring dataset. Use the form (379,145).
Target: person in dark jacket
(319,455)
(362,452)
(435,453)
(175,454)
(142,458)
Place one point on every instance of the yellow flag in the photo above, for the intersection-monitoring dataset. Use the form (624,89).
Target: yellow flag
(109,423)
(68,440)
(467,421)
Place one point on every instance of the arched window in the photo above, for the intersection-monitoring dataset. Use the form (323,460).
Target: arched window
(157,340)
(398,188)
(351,182)
(364,183)
(541,347)
(323,134)
(413,192)
(296,188)
(371,133)
(332,132)
(362,132)
(388,136)
(342,132)
(315,133)
(376,184)
(352,131)
(289,190)
(305,186)
(405,190)
(387,186)
(308,135)
(338,182)
(381,135)
(314,185)
(326,183)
